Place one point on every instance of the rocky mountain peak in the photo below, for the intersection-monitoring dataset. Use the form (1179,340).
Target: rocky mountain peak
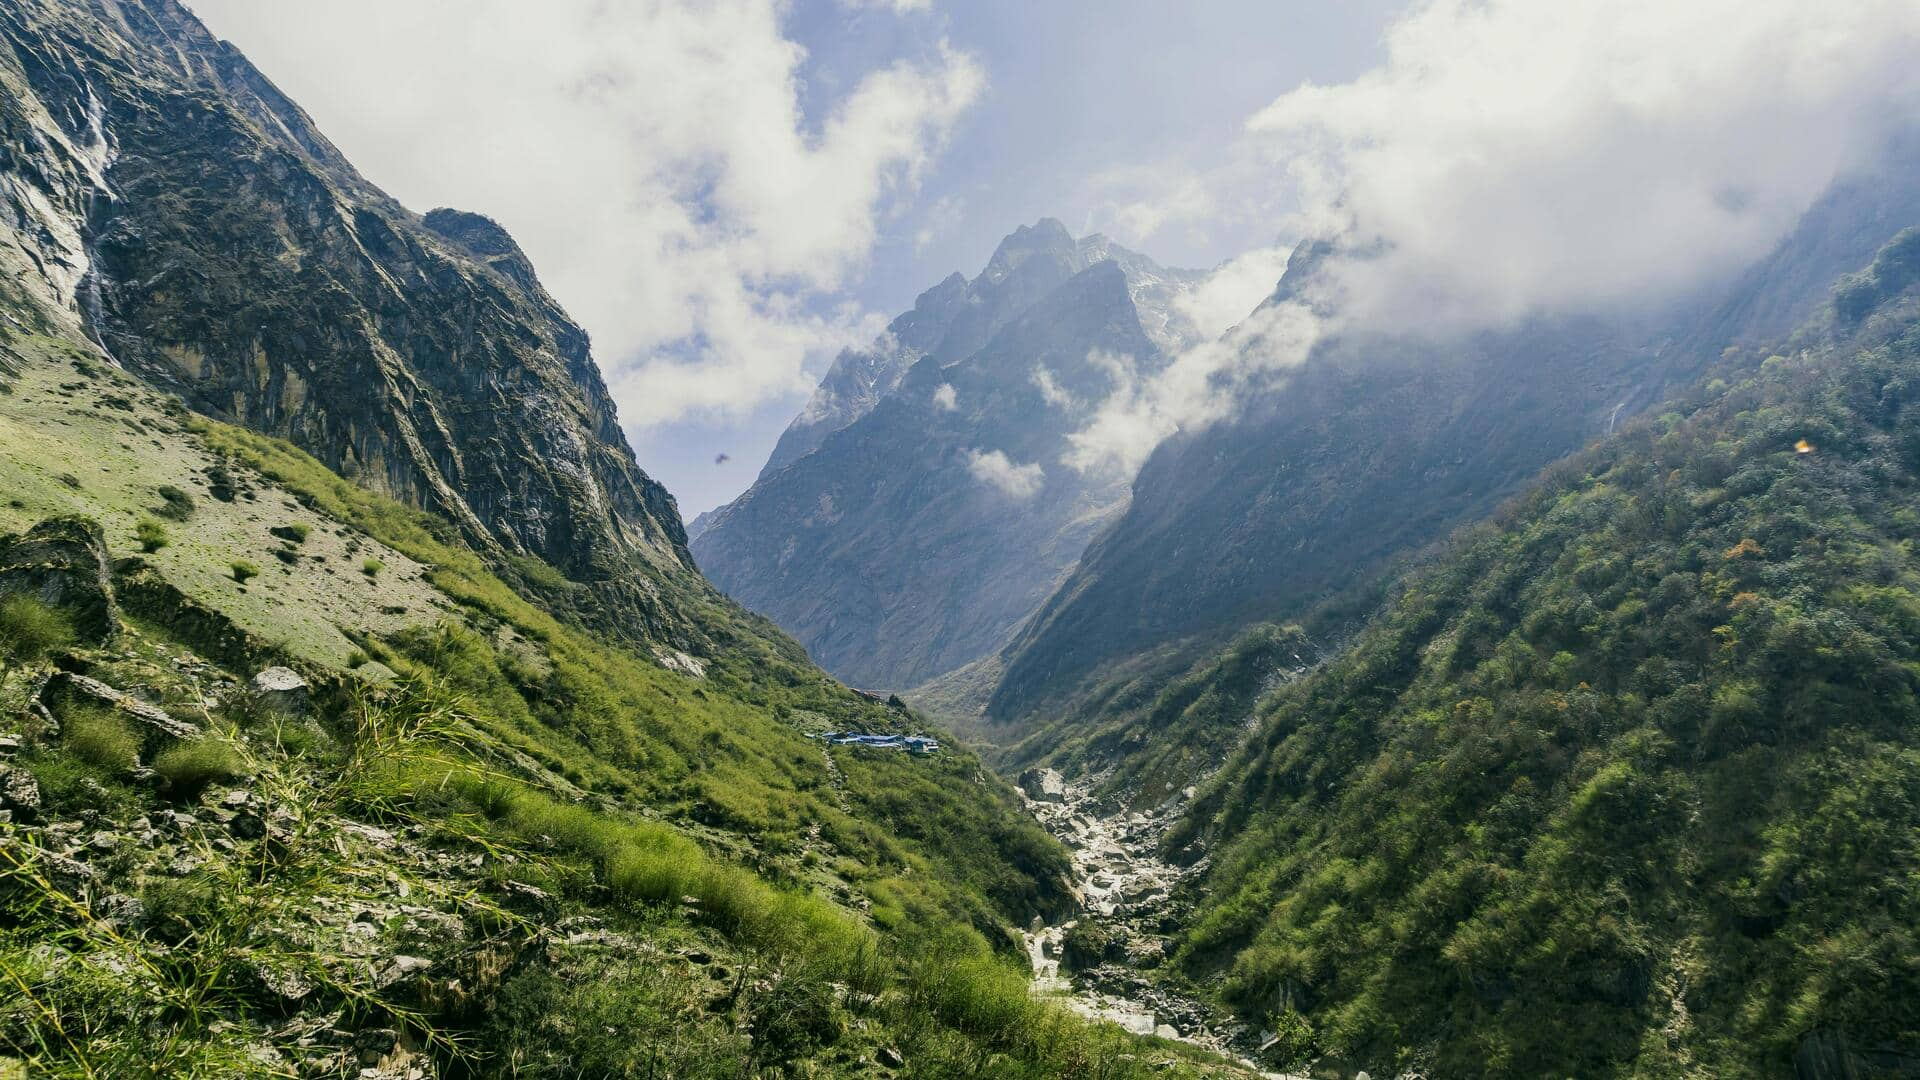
(1046,236)
(971,428)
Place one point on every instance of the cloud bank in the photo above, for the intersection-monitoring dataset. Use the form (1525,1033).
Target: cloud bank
(995,470)
(652,157)
(1510,158)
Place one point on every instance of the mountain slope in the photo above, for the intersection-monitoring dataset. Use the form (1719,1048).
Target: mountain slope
(216,243)
(1375,448)
(429,749)
(445,824)
(1629,783)
(911,540)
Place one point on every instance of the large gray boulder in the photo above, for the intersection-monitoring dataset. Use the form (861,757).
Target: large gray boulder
(282,690)
(1043,785)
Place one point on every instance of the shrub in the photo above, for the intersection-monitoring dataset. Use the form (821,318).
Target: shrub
(151,535)
(357,660)
(101,737)
(244,571)
(190,766)
(175,505)
(372,567)
(220,482)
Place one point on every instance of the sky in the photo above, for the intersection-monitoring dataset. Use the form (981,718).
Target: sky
(727,192)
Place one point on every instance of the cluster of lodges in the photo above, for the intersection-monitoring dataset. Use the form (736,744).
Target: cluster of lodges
(912,744)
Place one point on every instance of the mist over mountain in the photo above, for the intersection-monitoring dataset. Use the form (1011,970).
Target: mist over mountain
(924,502)
(1378,445)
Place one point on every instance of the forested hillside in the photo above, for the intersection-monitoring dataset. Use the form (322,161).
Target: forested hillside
(1629,782)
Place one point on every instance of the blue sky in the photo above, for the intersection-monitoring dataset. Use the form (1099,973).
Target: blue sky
(1068,92)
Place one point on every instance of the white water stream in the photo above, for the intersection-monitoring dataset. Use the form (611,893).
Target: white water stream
(1120,879)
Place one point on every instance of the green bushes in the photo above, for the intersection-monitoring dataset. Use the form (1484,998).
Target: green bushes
(1554,812)
(372,567)
(150,535)
(243,571)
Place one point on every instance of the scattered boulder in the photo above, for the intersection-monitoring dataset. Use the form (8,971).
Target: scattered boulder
(120,911)
(1044,785)
(19,793)
(1086,945)
(282,689)
(284,981)
(890,1057)
(62,562)
(399,969)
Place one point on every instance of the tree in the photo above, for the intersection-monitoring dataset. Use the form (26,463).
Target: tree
(29,630)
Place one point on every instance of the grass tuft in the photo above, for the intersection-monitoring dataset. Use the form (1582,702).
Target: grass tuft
(188,767)
(101,736)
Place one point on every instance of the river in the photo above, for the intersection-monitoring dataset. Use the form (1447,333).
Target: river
(1125,889)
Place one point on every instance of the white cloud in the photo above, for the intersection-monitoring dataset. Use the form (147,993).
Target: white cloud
(1514,157)
(1202,385)
(1050,389)
(946,398)
(1232,290)
(1511,158)
(651,157)
(994,469)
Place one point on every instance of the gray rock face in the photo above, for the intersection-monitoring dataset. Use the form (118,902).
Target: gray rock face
(957,317)
(172,201)
(914,538)
(62,562)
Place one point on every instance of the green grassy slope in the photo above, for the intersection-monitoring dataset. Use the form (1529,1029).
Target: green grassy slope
(1629,782)
(702,872)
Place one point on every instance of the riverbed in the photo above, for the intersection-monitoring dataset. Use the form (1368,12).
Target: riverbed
(1125,890)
